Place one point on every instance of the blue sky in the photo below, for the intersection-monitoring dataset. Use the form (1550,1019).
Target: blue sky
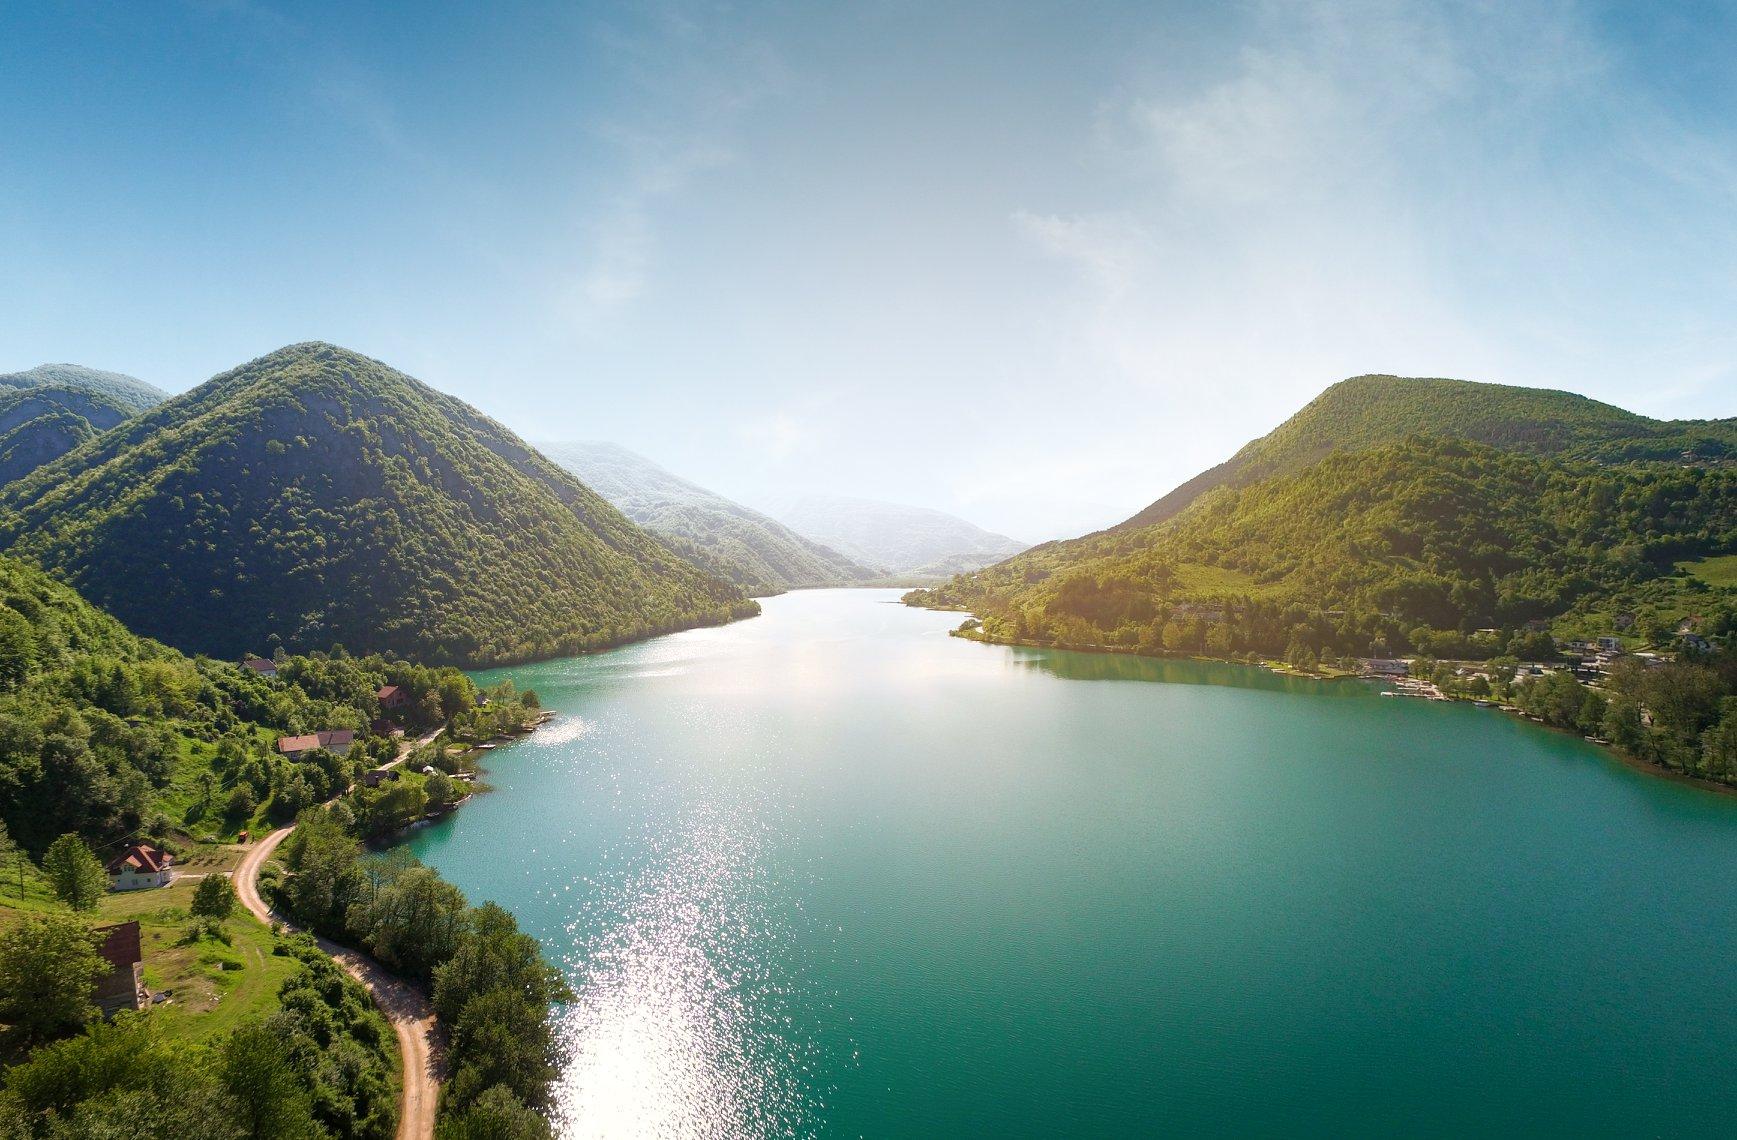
(1034,264)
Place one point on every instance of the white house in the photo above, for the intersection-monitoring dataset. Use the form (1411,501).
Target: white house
(140,867)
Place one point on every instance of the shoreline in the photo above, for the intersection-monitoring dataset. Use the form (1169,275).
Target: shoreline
(1633,763)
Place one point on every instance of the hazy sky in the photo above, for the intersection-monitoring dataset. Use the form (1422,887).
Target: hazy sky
(1034,264)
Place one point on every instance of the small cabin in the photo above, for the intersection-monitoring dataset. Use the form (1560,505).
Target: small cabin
(374,777)
(392,697)
(123,987)
(141,867)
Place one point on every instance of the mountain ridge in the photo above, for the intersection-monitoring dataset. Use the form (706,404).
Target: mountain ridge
(314,495)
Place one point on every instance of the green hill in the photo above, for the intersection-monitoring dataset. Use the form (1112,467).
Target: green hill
(756,552)
(122,391)
(315,496)
(1367,411)
(1329,537)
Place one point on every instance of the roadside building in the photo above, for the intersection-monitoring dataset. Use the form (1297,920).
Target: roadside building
(140,867)
(392,697)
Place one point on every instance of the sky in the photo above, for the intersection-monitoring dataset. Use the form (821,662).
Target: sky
(1033,264)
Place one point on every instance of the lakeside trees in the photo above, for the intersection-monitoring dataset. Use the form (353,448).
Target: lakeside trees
(488,981)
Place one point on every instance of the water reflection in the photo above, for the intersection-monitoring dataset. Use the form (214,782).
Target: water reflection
(682,970)
(1176,671)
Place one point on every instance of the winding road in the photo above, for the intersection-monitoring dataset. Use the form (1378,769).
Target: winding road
(420,1044)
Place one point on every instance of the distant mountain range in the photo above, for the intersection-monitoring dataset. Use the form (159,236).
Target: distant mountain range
(895,540)
(315,496)
(1391,514)
(743,546)
(49,410)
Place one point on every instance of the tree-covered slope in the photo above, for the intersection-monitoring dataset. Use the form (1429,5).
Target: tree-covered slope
(1366,552)
(315,496)
(756,552)
(1368,411)
(122,391)
(895,539)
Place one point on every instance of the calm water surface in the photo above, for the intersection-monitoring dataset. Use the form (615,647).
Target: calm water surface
(831,872)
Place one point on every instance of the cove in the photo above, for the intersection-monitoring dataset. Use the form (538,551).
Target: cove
(832,872)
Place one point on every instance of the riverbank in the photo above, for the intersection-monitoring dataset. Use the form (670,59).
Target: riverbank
(1627,760)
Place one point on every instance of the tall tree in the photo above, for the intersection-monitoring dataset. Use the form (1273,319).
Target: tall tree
(49,968)
(77,877)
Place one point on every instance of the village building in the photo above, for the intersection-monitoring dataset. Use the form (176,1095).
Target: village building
(261,666)
(392,697)
(374,777)
(338,740)
(123,987)
(140,867)
(1610,645)
(1385,667)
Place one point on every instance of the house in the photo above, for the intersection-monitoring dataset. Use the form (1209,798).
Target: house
(1385,667)
(336,740)
(122,987)
(392,697)
(140,867)
(1610,645)
(261,666)
(374,777)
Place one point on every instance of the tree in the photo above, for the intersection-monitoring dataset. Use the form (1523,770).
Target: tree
(17,648)
(214,897)
(495,1115)
(12,857)
(77,877)
(49,968)
(413,923)
(256,1070)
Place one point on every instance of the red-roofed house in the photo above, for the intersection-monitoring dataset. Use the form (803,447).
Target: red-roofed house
(392,697)
(122,987)
(140,867)
(336,740)
(261,666)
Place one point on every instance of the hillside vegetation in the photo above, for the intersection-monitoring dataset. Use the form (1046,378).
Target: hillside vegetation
(754,551)
(315,497)
(1354,544)
(1367,411)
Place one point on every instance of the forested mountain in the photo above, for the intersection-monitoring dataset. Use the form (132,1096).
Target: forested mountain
(51,409)
(898,540)
(315,496)
(122,391)
(1366,411)
(1377,546)
(752,550)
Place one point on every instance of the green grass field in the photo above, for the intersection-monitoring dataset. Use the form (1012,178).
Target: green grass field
(1720,570)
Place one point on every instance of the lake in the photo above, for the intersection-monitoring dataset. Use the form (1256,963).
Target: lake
(832,872)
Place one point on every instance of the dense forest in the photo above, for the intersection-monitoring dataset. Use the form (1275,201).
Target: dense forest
(316,497)
(755,552)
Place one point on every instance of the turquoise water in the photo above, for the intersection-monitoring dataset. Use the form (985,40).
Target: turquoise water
(831,872)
